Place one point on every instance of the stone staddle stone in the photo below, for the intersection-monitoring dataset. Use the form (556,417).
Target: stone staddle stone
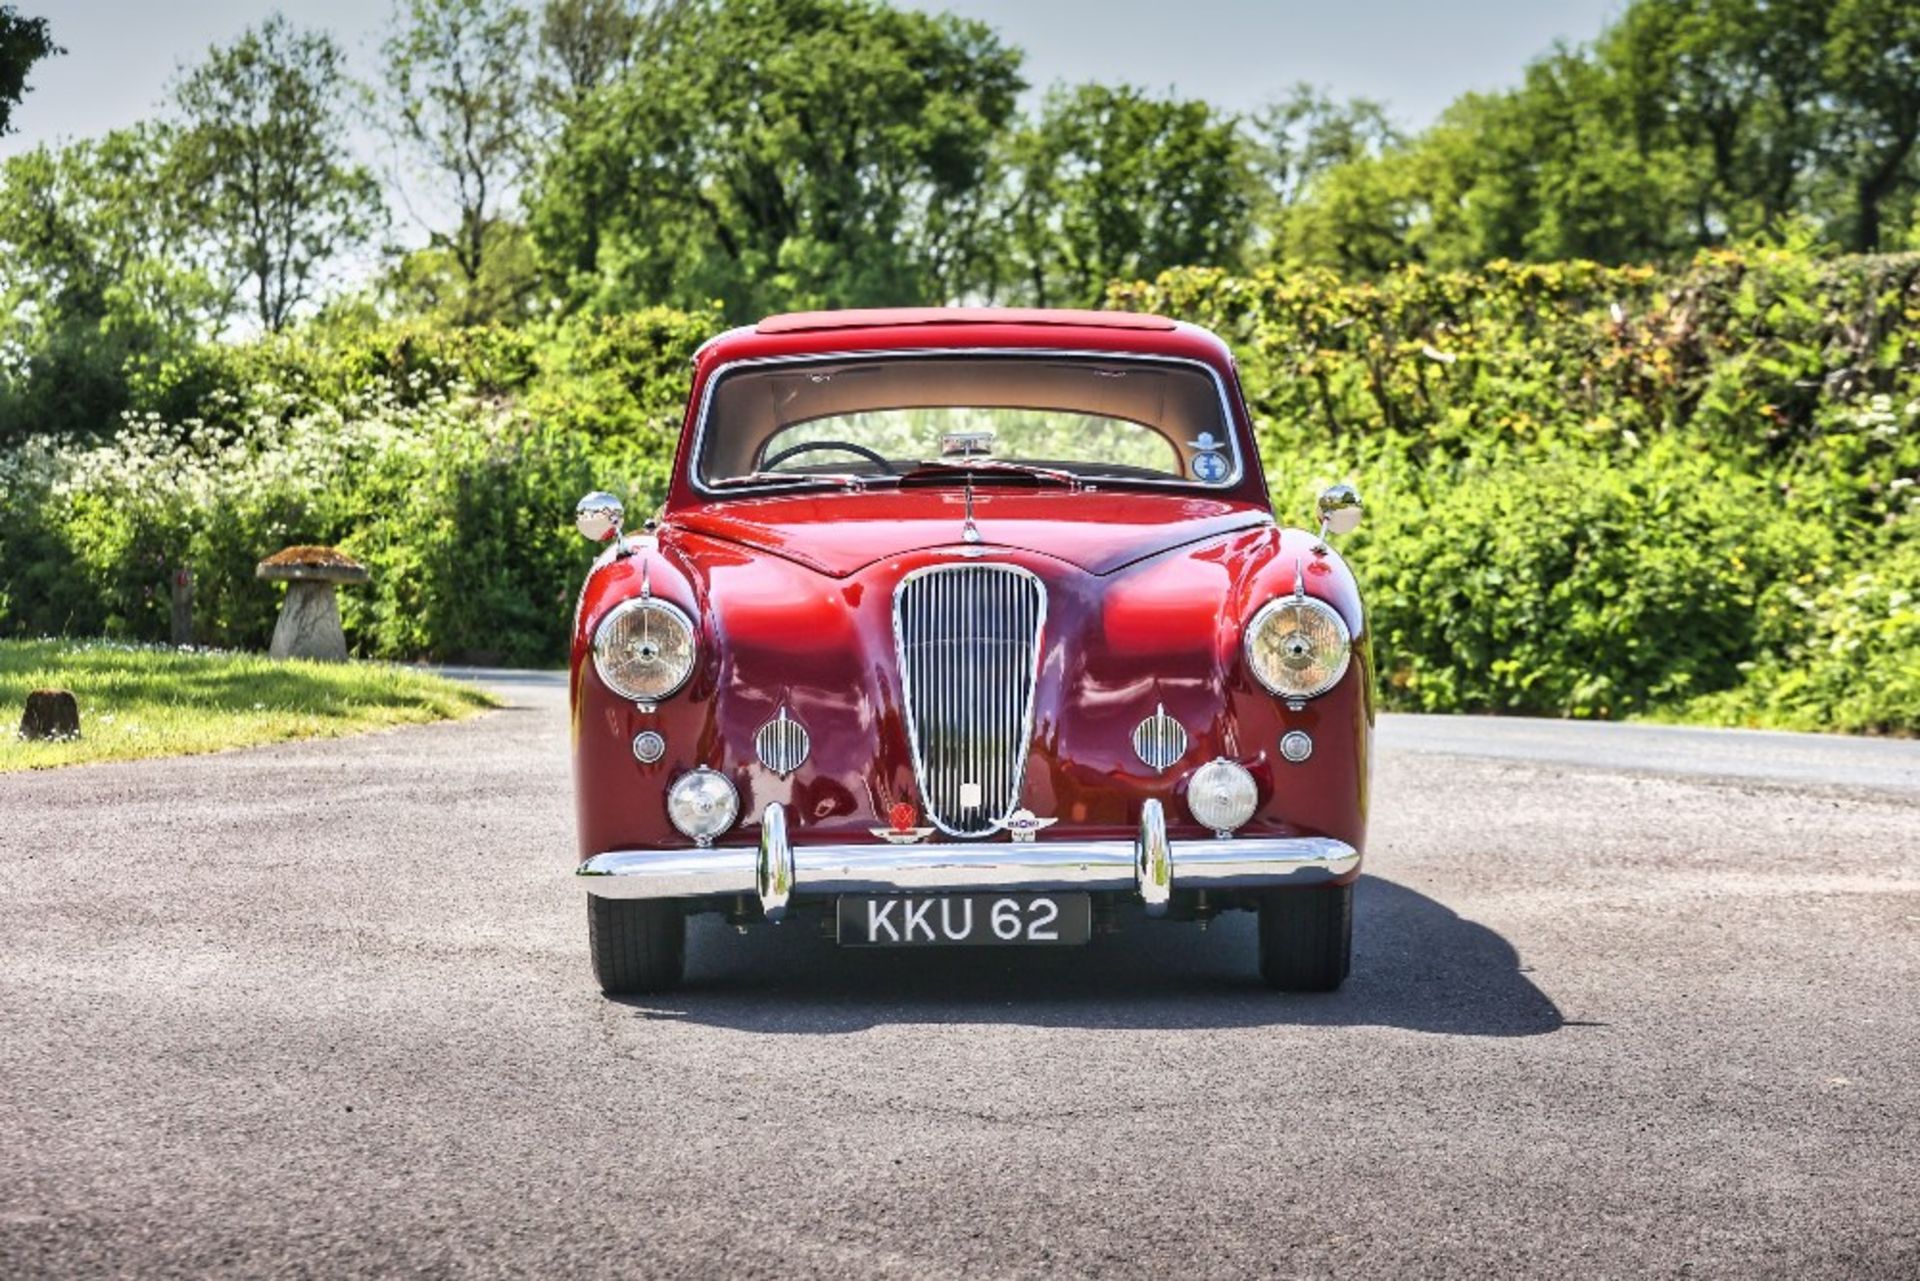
(309,624)
(51,714)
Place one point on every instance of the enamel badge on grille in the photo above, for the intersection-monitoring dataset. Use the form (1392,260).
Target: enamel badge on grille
(782,744)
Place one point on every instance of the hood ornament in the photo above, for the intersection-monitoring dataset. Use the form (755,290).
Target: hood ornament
(1021,825)
(969,532)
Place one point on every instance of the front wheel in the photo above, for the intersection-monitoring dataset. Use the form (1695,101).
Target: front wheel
(1306,938)
(638,945)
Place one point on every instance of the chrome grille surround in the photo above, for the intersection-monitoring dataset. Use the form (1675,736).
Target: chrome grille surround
(782,744)
(1159,740)
(968,641)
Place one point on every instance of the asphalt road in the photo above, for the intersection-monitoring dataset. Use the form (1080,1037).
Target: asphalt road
(1625,1003)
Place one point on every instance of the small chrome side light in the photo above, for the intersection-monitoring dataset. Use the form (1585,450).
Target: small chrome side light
(1296,745)
(648,746)
(782,744)
(1159,740)
(600,517)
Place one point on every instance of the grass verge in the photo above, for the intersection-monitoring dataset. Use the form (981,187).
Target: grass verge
(139,700)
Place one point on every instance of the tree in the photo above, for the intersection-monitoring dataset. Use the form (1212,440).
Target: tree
(264,154)
(588,43)
(1873,66)
(1297,139)
(1687,123)
(427,282)
(1114,183)
(780,153)
(462,79)
(23,42)
(95,292)
(1733,89)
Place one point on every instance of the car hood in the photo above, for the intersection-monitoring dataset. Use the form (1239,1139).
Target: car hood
(1100,531)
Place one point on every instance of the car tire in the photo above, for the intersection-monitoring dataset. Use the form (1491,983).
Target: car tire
(638,945)
(1306,938)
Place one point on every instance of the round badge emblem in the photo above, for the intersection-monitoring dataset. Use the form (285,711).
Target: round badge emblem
(1211,468)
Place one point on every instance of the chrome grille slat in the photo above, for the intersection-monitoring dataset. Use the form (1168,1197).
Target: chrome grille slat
(968,638)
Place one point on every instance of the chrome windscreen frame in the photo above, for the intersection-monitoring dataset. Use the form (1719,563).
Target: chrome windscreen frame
(1227,422)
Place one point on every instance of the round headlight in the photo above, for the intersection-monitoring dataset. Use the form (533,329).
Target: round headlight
(1222,795)
(702,804)
(1298,647)
(644,649)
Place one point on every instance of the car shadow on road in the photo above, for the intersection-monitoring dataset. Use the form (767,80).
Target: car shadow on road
(1417,965)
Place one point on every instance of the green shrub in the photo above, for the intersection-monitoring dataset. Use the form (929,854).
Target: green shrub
(1550,586)
(448,462)
(1603,491)
(1837,649)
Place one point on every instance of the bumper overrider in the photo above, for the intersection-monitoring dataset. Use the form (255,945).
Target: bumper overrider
(1150,865)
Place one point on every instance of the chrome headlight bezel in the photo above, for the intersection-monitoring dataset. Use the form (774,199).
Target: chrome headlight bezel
(603,659)
(1269,615)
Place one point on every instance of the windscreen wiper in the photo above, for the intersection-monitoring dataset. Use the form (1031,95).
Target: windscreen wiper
(846,480)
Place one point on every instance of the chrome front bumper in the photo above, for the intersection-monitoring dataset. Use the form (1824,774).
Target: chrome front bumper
(1149,865)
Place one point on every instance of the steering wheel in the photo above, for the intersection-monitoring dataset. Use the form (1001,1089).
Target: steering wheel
(809,446)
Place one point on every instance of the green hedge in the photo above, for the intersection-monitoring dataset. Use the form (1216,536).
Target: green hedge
(1605,491)
(1592,491)
(447,462)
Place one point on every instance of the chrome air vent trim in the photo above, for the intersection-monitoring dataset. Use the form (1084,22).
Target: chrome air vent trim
(782,744)
(968,642)
(1159,740)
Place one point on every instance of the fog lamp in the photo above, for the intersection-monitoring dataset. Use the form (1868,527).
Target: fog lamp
(702,804)
(1222,795)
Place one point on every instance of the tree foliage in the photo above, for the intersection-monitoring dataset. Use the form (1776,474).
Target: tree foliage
(23,42)
(779,153)
(1686,124)
(463,86)
(1113,183)
(262,160)
(97,295)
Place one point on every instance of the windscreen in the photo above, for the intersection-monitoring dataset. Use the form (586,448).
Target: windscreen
(881,417)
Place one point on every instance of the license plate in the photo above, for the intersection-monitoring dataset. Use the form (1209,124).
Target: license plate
(965,920)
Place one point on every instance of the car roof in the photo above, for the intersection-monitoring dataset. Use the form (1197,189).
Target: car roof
(922,328)
(796,322)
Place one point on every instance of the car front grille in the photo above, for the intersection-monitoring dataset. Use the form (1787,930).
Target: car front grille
(969,644)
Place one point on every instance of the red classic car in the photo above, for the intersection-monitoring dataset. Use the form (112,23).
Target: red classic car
(969,627)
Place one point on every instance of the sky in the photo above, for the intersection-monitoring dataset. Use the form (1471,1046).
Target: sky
(1415,56)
